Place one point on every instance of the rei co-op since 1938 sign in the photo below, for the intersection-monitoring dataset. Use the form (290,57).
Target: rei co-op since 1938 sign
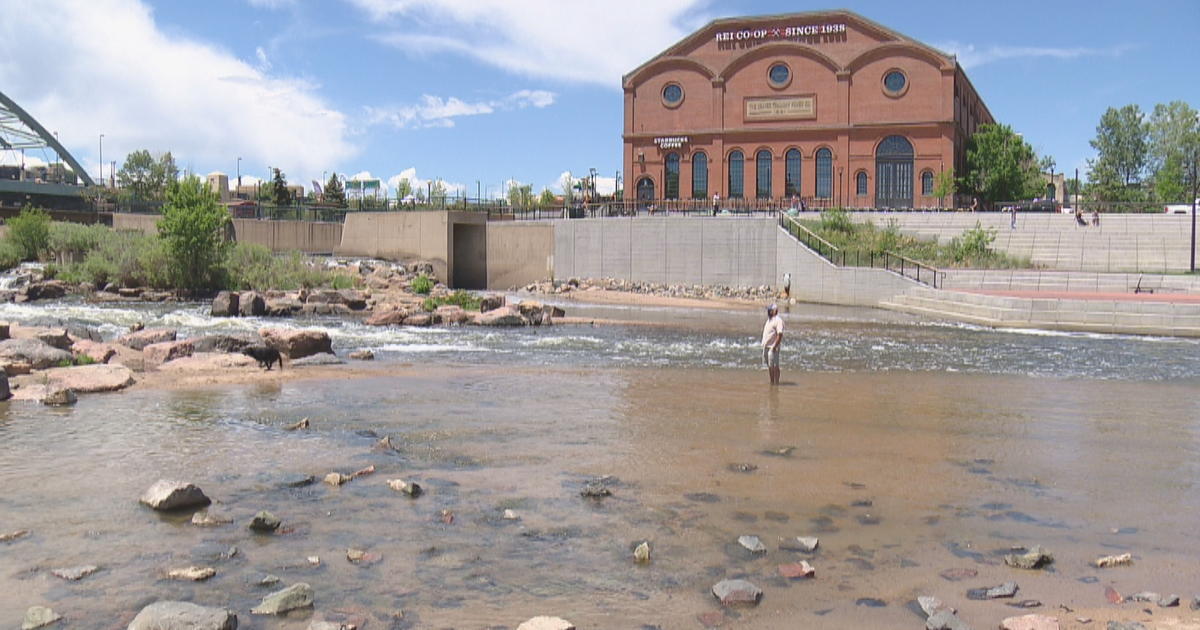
(781,108)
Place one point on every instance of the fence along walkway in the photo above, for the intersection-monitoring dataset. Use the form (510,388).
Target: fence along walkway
(890,261)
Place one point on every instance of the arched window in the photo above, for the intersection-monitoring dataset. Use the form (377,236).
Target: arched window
(791,173)
(699,176)
(736,172)
(860,184)
(671,177)
(894,173)
(824,174)
(645,189)
(927,183)
(762,183)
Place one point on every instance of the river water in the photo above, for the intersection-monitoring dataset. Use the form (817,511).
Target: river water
(909,448)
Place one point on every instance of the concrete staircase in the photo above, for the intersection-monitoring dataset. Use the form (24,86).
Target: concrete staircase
(1143,317)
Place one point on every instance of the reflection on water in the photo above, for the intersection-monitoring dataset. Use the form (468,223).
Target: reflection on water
(902,473)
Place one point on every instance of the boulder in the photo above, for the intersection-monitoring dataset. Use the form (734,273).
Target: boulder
(420,319)
(503,316)
(531,308)
(167,495)
(205,518)
(931,605)
(59,396)
(130,292)
(251,304)
(5,331)
(224,343)
(264,522)
(1035,558)
(796,570)
(325,309)
(168,615)
(140,339)
(1030,622)
(96,352)
(84,379)
(192,574)
(296,344)
(54,337)
(209,361)
(317,359)
(354,299)
(79,332)
(387,317)
(16,368)
(5,392)
(158,353)
(45,290)
(295,596)
(490,302)
(37,353)
(283,307)
(752,544)
(546,623)
(452,314)
(74,574)
(735,592)
(38,617)
(226,304)
(945,620)
(362,355)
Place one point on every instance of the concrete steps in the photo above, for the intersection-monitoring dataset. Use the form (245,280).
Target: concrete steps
(1098,316)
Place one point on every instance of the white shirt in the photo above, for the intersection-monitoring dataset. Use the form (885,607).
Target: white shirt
(772,330)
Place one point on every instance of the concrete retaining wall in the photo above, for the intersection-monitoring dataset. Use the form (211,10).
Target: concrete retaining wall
(144,223)
(815,279)
(519,253)
(405,236)
(279,236)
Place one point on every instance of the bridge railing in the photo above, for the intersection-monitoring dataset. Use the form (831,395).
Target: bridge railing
(888,260)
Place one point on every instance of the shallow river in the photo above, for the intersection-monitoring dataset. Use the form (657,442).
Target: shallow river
(917,448)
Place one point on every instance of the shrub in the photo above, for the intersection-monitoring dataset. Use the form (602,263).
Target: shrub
(127,259)
(974,244)
(84,359)
(460,298)
(70,242)
(29,232)
(422,285)
(10,256)
(837,221)
(249,266)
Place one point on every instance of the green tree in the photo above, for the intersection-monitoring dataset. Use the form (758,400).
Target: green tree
(546,198)
(520,195)
(1173,132)
(437,193)
(335,193)
(146,178)
(403,188)
(944,185)
(193,233)
(1001,166)
(1122,147)
(1170,183)
(279,189)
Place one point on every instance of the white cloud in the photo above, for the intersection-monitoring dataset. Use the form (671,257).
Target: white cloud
(970,56)
(264,64)
(13,158)
(271,4)
(143,88)
(590,42)
(435,111)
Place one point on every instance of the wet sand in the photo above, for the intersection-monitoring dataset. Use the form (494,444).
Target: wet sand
(956,468)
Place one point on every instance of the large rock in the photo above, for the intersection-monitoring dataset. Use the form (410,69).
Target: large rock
(353,298)
(226,304)
(84,379)
(39,617)
(503,316)
(283,307)
(183,616)
(56,396)
(167,495)
(736,592)
(142,338)
(547,623)
(316,360)
(209,361)
(36,353)
(1030,622)
(1035,558)
(94,351)
(159,353)
(45,290)
(296,344)
(54,337)
(293,597)
(393,316)
(945,620)
(490,302)
(452,314)
(224,343)
(5,392)
(252,304)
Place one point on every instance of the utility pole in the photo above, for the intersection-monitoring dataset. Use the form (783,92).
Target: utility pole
(101,180)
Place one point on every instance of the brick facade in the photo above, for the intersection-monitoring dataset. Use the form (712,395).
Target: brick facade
(720,91)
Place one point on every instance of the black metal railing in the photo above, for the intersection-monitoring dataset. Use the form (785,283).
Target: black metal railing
(887,260)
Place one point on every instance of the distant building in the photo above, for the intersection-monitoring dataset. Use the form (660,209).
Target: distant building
(218,182)
(826,105)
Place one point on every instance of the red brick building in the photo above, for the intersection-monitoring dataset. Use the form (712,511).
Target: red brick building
(827,106)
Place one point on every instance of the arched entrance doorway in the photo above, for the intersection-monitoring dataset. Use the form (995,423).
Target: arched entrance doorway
(894,173)
(645,189)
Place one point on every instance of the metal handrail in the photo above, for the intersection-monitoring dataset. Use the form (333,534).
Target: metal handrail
(888,260)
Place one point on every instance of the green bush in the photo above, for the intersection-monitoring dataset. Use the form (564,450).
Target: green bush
(250,266)
(192,229)
(29,232)
(70,242)
(10,256)
(836,221)
(422,285)
(127,259)
(460,298)
(974,244)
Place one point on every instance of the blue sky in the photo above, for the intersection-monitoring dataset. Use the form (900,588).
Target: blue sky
(489,91)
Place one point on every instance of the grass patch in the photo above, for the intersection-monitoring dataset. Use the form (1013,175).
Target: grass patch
(460,298)
(422,285)
(861,241)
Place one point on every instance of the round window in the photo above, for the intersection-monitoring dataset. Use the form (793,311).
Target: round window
(779,74)
(672,94)
(894,81)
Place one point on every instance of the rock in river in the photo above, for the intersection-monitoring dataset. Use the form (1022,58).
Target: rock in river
(806,544)
(159,353)
(546,623)
(1105,562)
(36,353)
(85,379)
(752,544)
(38,617)
(264,522)
(205,518)
(1035,558)
(945,620)
(75,573)
(1030,622)
(293,597)
(195,574)
(142,338)
(174,495)
(296,344)
(735,592)
(1007,589)
(168,615)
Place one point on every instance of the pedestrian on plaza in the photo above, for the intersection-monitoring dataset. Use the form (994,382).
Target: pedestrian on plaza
(1095,218)
(716,202)
(1013,210)
(772,338)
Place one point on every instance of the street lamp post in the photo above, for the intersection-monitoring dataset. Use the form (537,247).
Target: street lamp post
(238,190)
(1195,191)
(101,159)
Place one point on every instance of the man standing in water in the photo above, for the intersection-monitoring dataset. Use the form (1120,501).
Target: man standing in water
(772,337)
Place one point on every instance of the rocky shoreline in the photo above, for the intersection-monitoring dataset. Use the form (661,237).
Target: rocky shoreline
(686,291)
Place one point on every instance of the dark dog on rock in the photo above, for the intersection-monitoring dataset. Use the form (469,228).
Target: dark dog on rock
(265,356)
